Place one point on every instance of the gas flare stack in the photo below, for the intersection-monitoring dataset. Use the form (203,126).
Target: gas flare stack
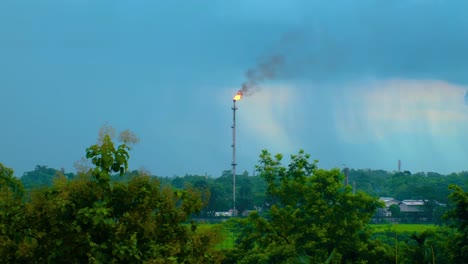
(237,97)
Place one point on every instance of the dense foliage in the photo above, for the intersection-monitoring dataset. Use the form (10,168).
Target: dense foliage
(250,191)
(92,220)
(458,219)
(312,217)
(405,185)
(443,244)
(298,214)
(12,225)
(42,176)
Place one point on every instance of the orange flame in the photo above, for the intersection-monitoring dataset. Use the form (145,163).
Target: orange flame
(238,96)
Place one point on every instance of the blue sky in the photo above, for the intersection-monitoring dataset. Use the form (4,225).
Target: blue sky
(364,83)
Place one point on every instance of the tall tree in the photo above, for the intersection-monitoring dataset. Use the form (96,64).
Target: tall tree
(313,216)
(41,176)
(458,217)
(92,219)
(12,219)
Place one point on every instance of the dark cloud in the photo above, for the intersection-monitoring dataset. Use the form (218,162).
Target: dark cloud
(414,39)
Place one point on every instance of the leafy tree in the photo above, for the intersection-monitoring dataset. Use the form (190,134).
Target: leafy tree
(225,181)
(219,199)
(313,216)
(41,176)
(395,210)
(259,187)
(429,246)
(245,194)
(178,183)
(12,221)
(10,183)
(423,252)
(458,217)
(429,209)
(425,186)
(92,219)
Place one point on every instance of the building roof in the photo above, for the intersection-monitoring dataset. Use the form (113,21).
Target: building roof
(386,199)
(413,202)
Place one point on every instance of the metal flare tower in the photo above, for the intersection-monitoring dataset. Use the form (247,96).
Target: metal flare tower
(234,164)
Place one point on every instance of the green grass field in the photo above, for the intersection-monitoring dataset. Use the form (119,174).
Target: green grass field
(229,237)
(402,227)
(228,242)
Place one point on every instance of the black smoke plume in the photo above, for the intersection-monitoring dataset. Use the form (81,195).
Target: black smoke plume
(266,69)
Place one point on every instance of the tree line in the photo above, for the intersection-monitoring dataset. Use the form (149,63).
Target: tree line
(108,214)
(250,191)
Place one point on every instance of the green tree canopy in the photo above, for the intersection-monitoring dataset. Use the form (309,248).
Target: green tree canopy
(12,222)
(458,219)
(92,219)
(41,176)
(313,216)
(395,210)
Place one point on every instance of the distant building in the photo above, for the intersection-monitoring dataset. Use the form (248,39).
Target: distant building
(411,206)
(218,214)
(414,210)
(389,201)
(411,211)
(226,213)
